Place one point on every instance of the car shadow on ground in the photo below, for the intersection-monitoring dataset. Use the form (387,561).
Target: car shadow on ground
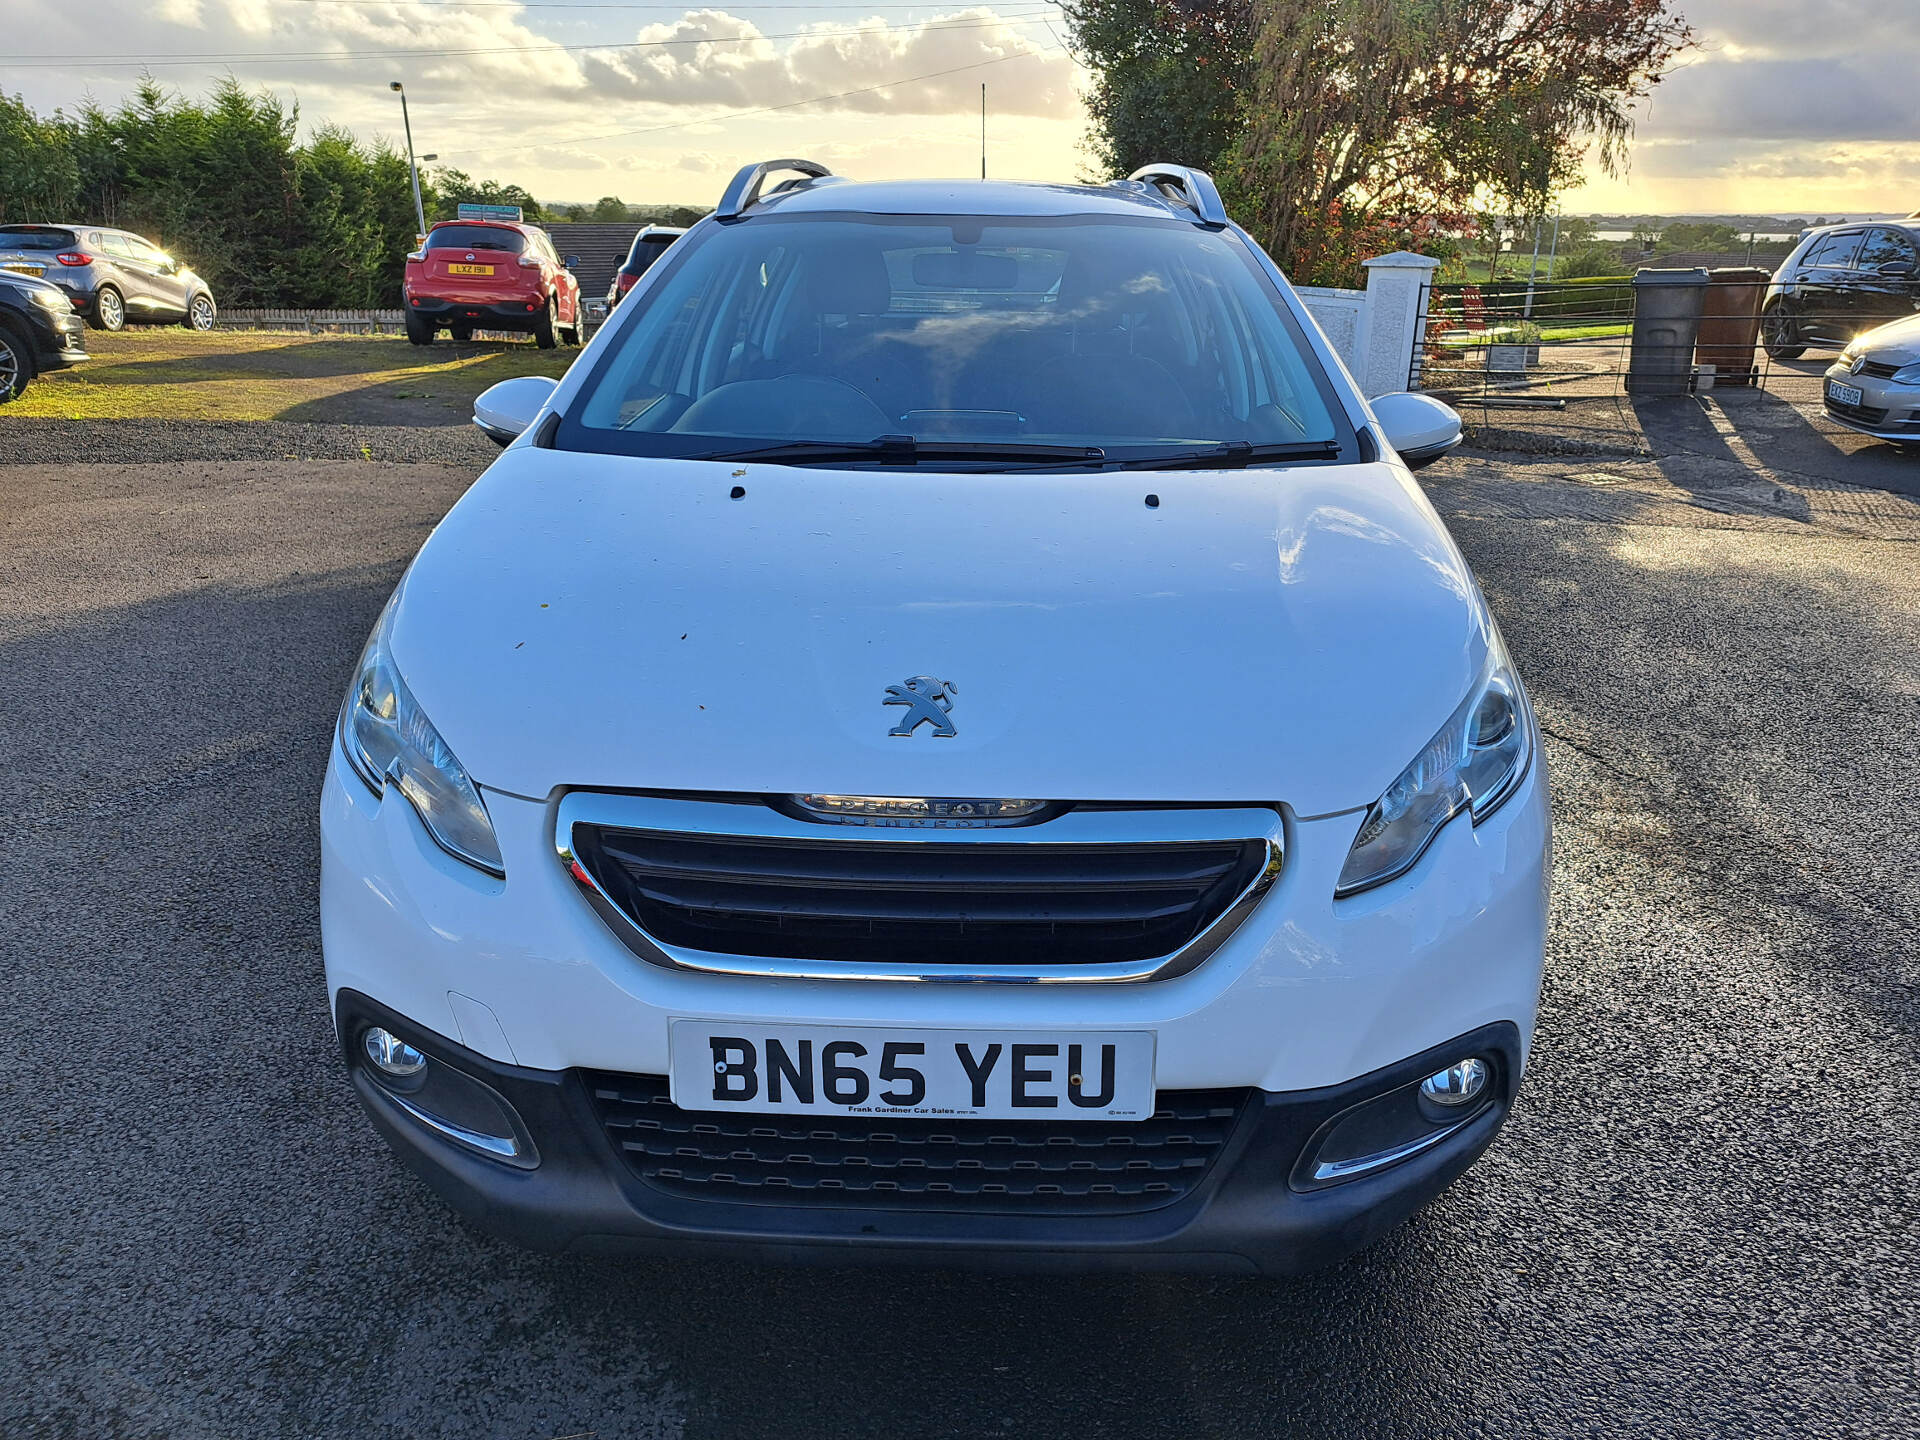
(313,357)
(1702,442)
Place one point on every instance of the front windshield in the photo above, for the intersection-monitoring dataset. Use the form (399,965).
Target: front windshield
(1134,336)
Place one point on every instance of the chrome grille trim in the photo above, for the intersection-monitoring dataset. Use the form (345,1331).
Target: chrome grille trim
(754,820)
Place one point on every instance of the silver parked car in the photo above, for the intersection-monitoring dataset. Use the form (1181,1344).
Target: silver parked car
(113,277)
(1875,386)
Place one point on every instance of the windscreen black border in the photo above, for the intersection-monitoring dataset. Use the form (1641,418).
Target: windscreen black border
(574,436)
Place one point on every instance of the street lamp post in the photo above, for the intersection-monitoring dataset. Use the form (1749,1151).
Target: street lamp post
(413,169)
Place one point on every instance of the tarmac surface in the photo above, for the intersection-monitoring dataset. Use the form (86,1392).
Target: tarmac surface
(1700,1220)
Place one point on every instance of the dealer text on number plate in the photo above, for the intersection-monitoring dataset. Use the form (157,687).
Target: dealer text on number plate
(853,1070)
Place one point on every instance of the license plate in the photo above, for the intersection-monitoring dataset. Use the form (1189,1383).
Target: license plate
(851,1070)
(469,269)
(23,268)
(1843,394)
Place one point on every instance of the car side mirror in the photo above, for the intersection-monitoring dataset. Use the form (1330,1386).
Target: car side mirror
(1419,427)
(572,262)
(505,410)
(1900,268)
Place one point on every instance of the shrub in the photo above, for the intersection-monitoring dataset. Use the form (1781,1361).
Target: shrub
(1587,263)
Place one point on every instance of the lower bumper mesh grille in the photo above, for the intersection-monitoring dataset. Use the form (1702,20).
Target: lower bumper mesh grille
(1859,414)
(871,1162)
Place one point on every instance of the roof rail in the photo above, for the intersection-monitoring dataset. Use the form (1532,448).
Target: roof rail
(745,187)
(1193,188)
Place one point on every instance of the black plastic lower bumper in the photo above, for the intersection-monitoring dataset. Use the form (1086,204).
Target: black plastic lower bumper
(58,340)
(1246,1216)
(502,315)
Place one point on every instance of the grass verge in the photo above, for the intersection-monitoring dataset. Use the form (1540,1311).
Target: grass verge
(176,374)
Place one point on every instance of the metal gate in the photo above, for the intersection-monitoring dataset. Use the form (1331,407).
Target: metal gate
(1496,351)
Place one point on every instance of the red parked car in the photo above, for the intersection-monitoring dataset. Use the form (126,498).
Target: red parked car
(491,275)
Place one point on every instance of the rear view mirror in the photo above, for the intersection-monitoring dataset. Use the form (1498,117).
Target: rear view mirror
(964,270)
(1419,427)
(503,411)
(572,262)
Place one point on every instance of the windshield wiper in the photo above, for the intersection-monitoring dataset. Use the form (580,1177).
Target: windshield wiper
(1236,455)
(906,450)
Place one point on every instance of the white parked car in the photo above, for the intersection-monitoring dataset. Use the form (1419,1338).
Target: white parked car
(951,734)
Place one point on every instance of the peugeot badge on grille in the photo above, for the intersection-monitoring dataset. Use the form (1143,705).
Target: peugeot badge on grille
(928,702)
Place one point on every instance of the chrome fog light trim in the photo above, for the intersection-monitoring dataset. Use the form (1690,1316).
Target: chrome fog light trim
(391,1055)
(504,1147)
(1360,1165)
(1458,1084)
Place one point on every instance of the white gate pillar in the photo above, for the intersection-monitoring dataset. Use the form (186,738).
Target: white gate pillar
(1397,288)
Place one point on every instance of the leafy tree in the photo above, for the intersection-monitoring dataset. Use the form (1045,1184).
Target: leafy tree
(610,210)
(1362,116)
(452,188)
(38,173)
(1338,127)
(1168,76)
(1577,232)
(227,184)
(1583,264)
(1697,235)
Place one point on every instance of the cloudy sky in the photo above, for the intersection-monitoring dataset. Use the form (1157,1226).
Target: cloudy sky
(1790,105)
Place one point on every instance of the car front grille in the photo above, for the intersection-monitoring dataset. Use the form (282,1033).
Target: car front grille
(1879,369)
(829,899)
(998,1167)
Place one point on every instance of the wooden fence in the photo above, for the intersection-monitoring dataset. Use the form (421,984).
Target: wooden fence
(371,322)
(376,322)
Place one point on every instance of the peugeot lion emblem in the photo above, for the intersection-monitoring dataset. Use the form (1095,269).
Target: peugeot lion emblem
(928,702)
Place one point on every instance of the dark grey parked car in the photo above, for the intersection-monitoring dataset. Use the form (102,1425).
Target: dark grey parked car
(113,277)
(38,332)
(1839,282)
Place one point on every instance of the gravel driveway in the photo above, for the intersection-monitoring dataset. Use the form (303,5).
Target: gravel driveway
(1700,1221)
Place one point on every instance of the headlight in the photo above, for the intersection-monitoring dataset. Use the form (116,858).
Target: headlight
(389,740)
(1474,763)
(51,300)
(1907,374)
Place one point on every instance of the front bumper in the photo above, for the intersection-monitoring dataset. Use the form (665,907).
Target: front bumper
(1308,1003)
(59,340)
(1887,410)
(1244,1216)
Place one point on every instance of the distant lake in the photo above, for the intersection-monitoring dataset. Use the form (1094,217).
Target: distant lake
(1763,237)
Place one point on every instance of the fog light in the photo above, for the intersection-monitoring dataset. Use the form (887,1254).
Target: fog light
(1456,1085)
(393,1056)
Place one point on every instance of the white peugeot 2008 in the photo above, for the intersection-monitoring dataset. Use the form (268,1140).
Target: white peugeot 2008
(951,734)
